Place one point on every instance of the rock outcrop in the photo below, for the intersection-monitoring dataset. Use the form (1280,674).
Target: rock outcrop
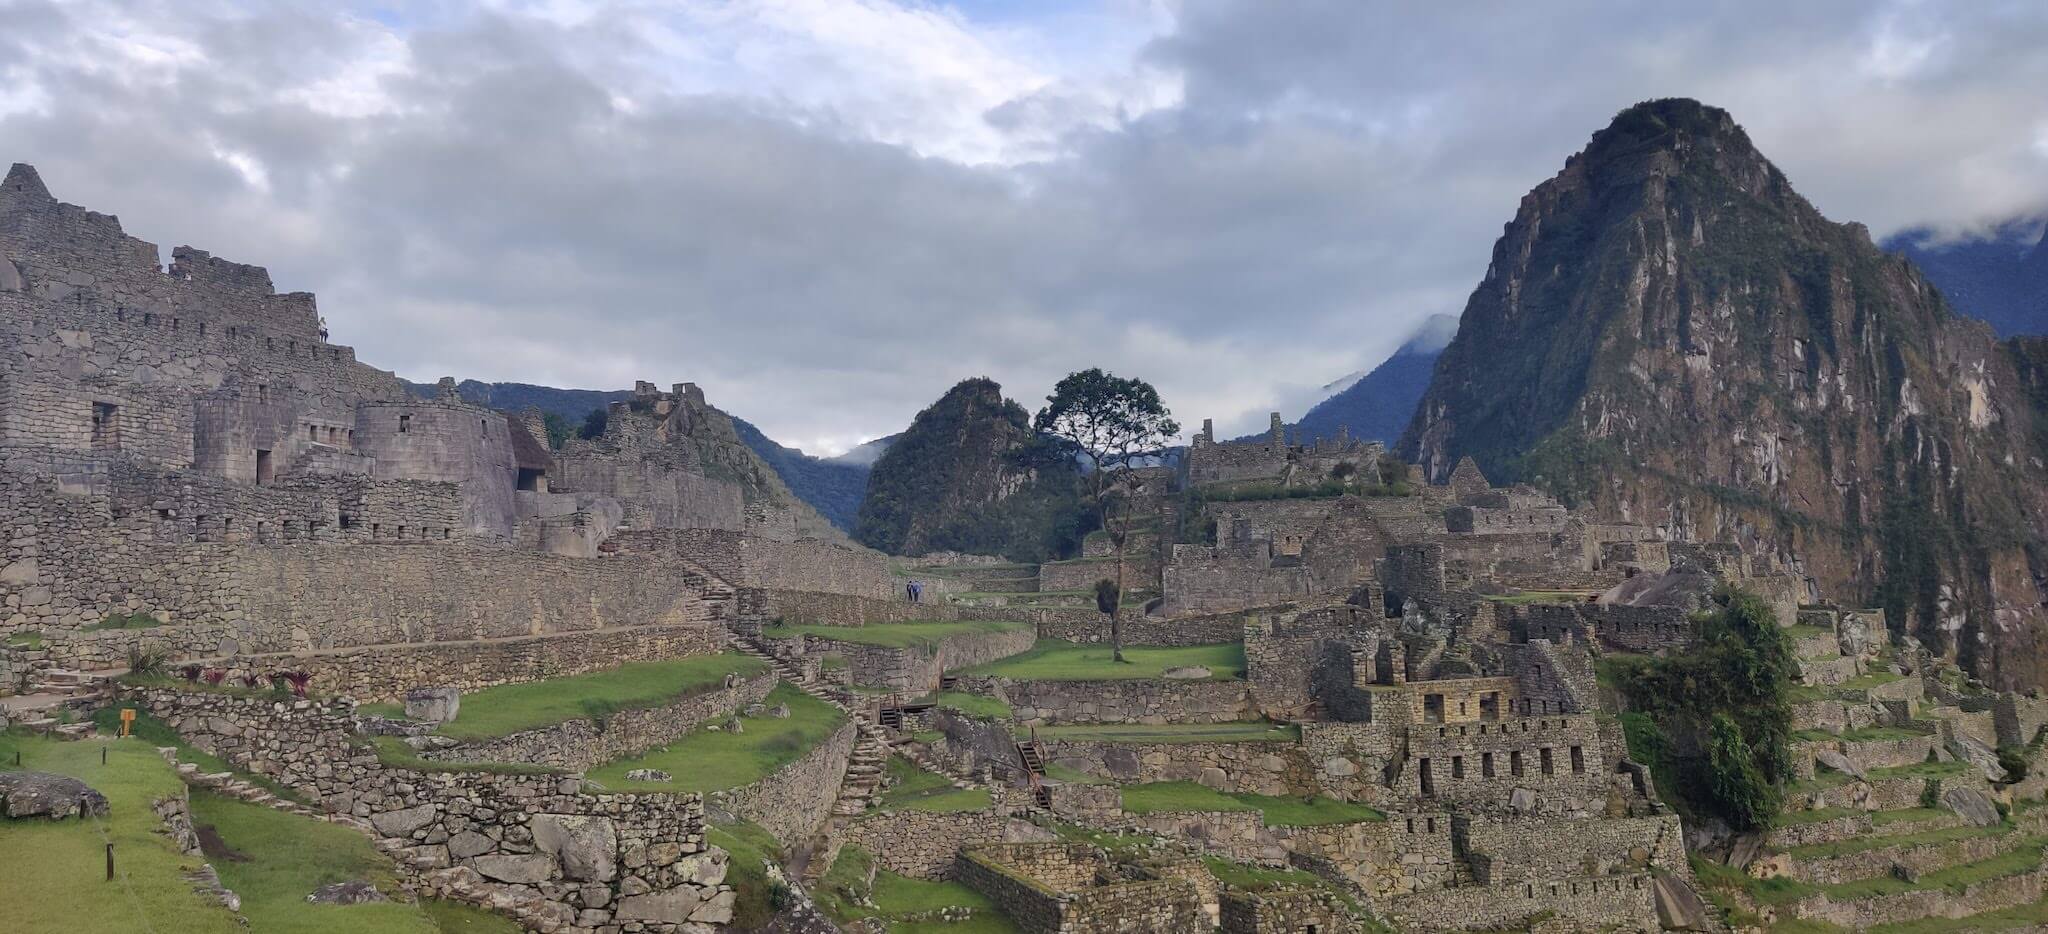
(40,794)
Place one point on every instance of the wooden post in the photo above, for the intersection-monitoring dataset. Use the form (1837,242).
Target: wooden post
(110,862)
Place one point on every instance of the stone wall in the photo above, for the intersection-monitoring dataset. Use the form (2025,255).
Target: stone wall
(1052,888)
(1140,571)
(1481,765)
(1408,852)
(1268,768)
(1533,849)
(583,744)
(1044,703)
(753,561)
(385,673)
(1592,901)
(926,845)
(793,801)
(1088,626)
(917,668)
(553,853)
(1286,910)
(1975,898)
(969,744)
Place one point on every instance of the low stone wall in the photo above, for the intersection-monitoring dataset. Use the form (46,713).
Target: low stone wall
(917,668)
(1592,901)
(1043,703)
(926,845)
(793,801)
(1088,626)
(1238,835)
(1284,911)
(1886,753)
(586,744)
(832,609)
(1268,768)
(109,648)
(1924,858)
(1081,574)
(549,852)
(385,673)
(1408,852)
(1048,888)
(1517,849)
(1863,913)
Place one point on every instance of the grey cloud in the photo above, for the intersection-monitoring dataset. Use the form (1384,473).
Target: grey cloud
(1330,181)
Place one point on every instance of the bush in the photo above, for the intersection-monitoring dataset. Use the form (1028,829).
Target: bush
(2013,759)
(1730,689)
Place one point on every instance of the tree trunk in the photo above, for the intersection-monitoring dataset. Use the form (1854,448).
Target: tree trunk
(1116,612)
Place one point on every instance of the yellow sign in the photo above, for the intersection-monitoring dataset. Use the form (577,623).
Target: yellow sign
(127,717)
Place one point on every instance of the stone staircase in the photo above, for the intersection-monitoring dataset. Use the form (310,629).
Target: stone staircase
(57,695)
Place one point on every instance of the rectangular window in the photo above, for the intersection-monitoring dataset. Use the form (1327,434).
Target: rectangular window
(1486,765)
(1422,769)
(1544,754)
(264,471)
(1578,760)
(1457,766)
(1515,763)
(404,424)
(106,426)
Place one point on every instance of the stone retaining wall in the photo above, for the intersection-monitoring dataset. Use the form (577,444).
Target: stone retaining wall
(1925,858)
(1593,902)
(1088,626)
(918,668)
(1043,703)
(1408,852)
(559,856)
(793,801)
(385,673)
(586,744)
(1270,768)
(926,845)
(1863,913)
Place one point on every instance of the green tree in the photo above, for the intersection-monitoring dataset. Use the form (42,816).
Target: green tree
(1731,690)
(558,429)
(594,425)
(1117,424)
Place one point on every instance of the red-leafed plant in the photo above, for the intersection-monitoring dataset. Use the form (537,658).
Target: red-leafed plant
(191,673)
(250,680)
(214,676)
(298,680)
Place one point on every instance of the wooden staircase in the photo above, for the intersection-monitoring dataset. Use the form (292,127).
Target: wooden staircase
(1031,753)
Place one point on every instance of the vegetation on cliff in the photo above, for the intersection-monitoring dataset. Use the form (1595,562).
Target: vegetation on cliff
(1714,722)
(971,475)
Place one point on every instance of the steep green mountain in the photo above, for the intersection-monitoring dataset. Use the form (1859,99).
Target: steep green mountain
(971,475)
(1669,334)
(2001,278)
(1378,405)
(831,487)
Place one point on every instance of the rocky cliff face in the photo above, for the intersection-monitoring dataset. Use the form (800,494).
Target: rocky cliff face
(1670,334)
(970,474)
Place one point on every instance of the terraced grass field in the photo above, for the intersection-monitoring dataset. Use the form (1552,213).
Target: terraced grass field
(1170,733)
(511,708)
(714,760)
(1276,810)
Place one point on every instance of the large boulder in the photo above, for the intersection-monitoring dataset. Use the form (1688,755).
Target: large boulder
(40,794)
(401,823)
(432,705)
(1840,763)
(1679,908)
(1972,805)
(587,847)
(10,277)
(352,892)
(1967,748)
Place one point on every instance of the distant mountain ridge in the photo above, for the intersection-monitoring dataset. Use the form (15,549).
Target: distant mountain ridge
(2001,278)
(834,488)
(1376,405)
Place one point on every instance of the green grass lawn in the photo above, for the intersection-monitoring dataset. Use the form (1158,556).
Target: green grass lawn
(1781,891)
(895,897)
(748,845)
(1249,732)
(55,871)
(278,859)
(2029,917)
(973,704)
(915,789)
(1865,844)
(1052,660)
(510,708)
(891,635)
(714,760)
(158,733)
(1803,632)
(1276,810)
(123,621)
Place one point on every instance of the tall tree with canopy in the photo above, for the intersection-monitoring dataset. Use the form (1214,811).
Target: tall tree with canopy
(1117,424)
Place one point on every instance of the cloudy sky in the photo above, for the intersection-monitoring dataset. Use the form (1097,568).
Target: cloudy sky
(828,211)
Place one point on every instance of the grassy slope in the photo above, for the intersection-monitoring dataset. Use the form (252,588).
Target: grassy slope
(973,704)
(62,864)
(915,789)
(896,896)
(1052,660)
(714,760)
(510,708)
(287,857)
(892,635)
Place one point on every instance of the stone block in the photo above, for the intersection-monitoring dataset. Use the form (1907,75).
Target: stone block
(432,705)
